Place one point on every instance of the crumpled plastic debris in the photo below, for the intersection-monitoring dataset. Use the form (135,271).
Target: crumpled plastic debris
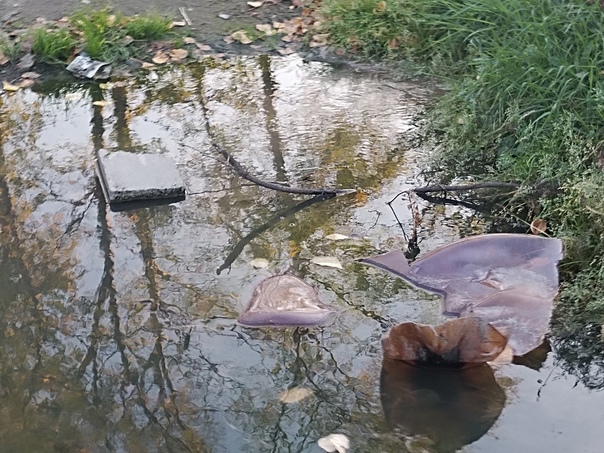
(85,67)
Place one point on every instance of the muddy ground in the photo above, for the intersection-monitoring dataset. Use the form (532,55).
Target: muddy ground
(204,14)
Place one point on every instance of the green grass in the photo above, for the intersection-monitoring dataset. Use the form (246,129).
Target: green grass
(52,46)
(103,34)
(526,105)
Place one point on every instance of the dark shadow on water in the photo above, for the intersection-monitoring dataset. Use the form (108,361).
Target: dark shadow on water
(450,407)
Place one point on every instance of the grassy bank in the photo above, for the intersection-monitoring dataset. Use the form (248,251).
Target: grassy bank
(526,105)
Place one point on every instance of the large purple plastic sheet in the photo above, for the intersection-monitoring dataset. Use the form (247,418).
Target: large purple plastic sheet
(510,280)
(285,301)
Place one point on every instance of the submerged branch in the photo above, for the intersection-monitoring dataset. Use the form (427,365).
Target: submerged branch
(464,187)
(236,166)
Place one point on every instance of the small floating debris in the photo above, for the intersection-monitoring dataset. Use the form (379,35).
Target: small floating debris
(285,301)
(85,67)
(259,263)
(327,261)
(337,237)
(224,16)
(128,177)
(334,443)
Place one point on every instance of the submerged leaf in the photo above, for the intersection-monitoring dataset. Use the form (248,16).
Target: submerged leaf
(327,261)
(241,36)
(283,301)
(462,341)
(334,442)
(295,395)
(510,280)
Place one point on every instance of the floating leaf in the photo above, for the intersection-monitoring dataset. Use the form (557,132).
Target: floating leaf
(9,86)
(147,65)
(203,47)
(189,40)
(538,226)
(160,57)
(178,55)
(334,442)
(336,237)
(241,36)
(327,261)
(26,83)
(285,300)
(101,103)
(295,395)
(259,263)
(228,39)
(26,62)
(510,280)
(255,4)
(462,341)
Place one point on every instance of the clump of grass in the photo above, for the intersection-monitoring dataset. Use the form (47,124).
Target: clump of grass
(52,46)
(151,26)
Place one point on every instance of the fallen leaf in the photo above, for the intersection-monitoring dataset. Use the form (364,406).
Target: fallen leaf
(26,83)
(294,395)
(319,40)
(189,40)
(286,51)
(241,36)
(26,62)
(393,44)
(287,38)
(203,47)
(101,103)
(334,442)
(380,6)
(127,40)
(278,25)
(30,75)
(538,226)
(336,237)
(111,20)
(228,39)
(178,55)
(3,59)
(9,86)
(255,4)
(147,65)
(327,261)
(283,301)
(267,29)
(160,58)
(259,263)
(179,23)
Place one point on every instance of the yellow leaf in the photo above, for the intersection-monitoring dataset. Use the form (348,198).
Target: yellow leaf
(9,86)
(241,36)
(160,58)
(111,20)
(360,197)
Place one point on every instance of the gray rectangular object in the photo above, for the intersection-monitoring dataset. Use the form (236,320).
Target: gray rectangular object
(127,177)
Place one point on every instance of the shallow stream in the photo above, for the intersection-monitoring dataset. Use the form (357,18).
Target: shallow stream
(118,328)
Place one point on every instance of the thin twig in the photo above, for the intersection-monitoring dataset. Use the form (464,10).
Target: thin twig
(464,187)
(185,16)
(236,166)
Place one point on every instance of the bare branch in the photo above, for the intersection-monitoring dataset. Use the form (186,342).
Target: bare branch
(465,187)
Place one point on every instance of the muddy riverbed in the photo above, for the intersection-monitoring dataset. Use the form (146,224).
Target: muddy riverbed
(118,328)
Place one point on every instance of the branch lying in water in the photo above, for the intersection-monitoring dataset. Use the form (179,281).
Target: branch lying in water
(464,187)
(236,166)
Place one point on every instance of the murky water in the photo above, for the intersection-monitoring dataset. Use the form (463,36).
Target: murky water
(117,329)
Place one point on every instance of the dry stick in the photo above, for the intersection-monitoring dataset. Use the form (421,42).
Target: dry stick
(461,188)
(270,185)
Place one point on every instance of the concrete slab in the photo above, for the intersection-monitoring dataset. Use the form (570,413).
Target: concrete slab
(127,177)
